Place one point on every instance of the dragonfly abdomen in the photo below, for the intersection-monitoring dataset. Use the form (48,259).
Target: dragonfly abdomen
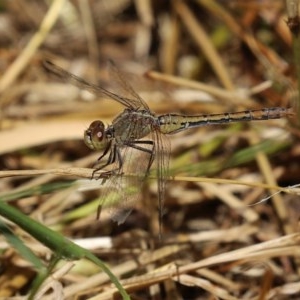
(173,123)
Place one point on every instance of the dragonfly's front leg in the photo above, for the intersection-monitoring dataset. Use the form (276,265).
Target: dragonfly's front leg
(114,156)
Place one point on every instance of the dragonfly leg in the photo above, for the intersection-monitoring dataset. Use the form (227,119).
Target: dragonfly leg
(108,147)
(114,156)
(111,160)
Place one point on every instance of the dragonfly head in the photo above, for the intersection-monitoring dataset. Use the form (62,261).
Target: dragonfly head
(95,137)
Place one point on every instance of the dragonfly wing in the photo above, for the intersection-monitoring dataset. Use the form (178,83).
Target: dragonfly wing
(162,158)
(118,198)
(82,84)
(128,93)
(122,191)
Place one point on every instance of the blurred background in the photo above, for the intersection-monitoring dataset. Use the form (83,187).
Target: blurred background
(184,57)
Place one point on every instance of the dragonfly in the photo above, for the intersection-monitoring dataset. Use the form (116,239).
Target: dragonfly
(139,131)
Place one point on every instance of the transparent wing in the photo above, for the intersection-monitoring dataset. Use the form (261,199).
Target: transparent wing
(125,88)
(162,158)
(123,190)
(134,103)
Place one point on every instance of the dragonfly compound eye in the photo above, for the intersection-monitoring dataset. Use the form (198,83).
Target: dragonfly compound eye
(94,136)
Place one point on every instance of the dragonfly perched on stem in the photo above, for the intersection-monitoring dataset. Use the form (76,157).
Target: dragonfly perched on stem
(137,137)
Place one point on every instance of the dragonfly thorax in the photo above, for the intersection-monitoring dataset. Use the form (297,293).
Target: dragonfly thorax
(95,136)
(132,125)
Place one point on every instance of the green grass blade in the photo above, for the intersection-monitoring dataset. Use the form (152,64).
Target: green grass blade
(61,246)
(17,243)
